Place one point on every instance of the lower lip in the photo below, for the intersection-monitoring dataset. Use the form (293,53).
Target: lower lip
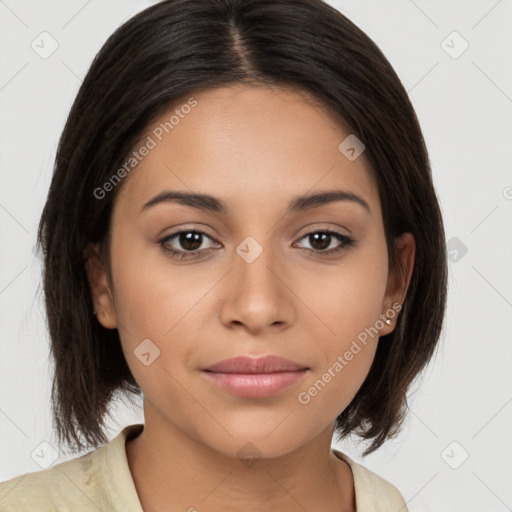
(255,385)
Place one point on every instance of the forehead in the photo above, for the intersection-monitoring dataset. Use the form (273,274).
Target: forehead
(250,146)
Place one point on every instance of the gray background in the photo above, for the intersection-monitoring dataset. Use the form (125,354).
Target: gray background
(455,448)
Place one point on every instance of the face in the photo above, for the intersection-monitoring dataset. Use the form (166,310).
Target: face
(250,271)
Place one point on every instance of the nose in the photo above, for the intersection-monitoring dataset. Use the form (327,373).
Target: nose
(257,295)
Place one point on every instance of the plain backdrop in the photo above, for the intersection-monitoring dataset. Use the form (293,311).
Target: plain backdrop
(455,59)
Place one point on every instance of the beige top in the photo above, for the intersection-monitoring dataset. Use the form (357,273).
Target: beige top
(101,480)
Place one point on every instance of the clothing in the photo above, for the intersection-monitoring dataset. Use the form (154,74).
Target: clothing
(101,480)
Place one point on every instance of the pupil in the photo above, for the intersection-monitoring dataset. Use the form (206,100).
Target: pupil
(324,239)
(191,241)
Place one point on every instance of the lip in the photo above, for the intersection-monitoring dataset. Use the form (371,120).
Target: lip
(255,377)
(249,364)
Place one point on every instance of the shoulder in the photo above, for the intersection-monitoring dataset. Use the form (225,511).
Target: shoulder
(373,493)
(49,489)
(89,482)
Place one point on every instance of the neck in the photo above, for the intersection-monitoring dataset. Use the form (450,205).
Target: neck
(173,471)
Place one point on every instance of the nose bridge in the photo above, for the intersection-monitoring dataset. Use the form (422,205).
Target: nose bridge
(258,295)
(255,265)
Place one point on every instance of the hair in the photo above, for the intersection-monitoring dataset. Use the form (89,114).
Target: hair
(177,48)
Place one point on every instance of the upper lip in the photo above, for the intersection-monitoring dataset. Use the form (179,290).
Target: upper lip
(249,364)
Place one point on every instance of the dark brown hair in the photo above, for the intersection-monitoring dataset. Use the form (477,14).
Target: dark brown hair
(176,48)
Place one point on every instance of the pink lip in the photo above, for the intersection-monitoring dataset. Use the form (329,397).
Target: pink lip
(255,377)
(248,364)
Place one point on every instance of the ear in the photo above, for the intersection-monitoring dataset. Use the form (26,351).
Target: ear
(99,286)
(398,281)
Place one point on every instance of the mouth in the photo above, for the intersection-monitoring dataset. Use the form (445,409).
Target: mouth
(252,377)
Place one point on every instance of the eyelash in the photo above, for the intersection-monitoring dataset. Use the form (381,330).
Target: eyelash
(347,242)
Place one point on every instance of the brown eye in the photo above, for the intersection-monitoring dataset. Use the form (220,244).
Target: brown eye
(191,240)
(320,241)
(185,244)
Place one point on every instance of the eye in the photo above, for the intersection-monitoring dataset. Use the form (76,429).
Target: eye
(322,240)
(191,241)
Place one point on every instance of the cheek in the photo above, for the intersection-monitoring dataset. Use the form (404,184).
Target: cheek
(163,303)
(332,388)
(348,302)
(345,351)
(151,293)
(347,298)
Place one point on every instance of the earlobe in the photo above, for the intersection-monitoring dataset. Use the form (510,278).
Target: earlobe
(103,304)
(398,280)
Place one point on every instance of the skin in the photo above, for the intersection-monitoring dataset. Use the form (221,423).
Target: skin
(255,148)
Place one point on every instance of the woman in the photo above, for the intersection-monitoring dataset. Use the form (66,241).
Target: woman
(241,226)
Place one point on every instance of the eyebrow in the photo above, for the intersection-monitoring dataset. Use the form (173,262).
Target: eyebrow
(211,203)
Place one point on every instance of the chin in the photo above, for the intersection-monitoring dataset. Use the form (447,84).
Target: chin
(253,439)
